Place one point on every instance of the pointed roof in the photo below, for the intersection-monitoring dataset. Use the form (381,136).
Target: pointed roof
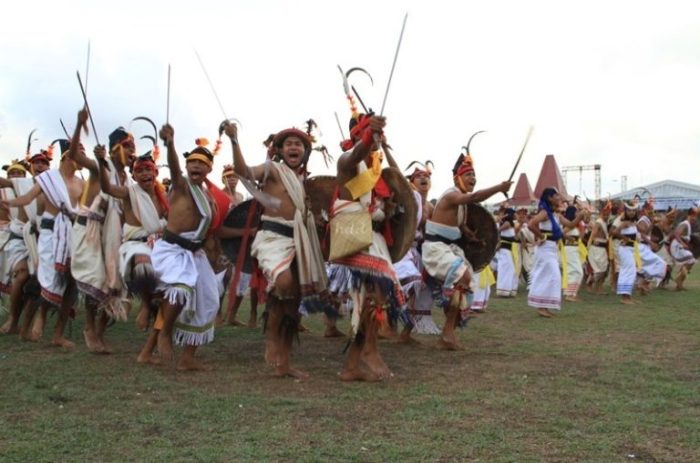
(523,195)
(550,176)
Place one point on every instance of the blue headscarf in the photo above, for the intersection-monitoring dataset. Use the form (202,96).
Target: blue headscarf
(547,194)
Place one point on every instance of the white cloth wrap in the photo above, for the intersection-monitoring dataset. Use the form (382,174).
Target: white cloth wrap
(653,266)
(481,295)
(187,279)
(274,252)
(53,285)
(545,278)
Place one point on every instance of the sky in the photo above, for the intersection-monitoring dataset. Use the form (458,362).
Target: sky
(602,82)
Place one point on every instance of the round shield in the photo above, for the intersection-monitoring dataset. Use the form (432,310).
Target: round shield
(481,244)
(404,220)
(319,194)
(657,236)
(694,244)
(237,218)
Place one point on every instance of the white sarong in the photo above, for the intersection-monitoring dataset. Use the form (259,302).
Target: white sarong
(187,279)
(545,278)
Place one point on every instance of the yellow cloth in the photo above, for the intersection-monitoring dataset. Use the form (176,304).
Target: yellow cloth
(582,251)
(363,182)
(487,278)
(637,255)
(515,251)
(564,272)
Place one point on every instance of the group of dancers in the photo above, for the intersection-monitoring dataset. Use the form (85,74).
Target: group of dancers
(121,235)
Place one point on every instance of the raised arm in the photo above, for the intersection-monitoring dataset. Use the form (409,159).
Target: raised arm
(75,153)
(375,125)
(106,186)
(389,157)
(571,224)
(167,134)
(25,198)
(239,165)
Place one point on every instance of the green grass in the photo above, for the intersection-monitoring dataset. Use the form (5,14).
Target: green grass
(598,383)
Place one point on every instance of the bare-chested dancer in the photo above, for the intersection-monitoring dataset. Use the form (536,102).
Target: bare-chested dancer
(286,244)
(61,189)
(191,290)
(443,259)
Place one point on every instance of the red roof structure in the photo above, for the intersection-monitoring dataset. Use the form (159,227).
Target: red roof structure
(522,195)
(550,176)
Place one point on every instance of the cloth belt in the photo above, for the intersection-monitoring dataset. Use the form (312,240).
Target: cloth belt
(184,243)
(601,245)
(47,224)
(15,236)
(82,220)
(550,237)
(442,239)
(276,227)
(571,241)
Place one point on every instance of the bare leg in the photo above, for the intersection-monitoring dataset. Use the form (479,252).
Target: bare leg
(627,299)
(188,362)
(680,278)
(332,330)
(100,333)
(253,319)
(16,299)
(231,316)
(448,338)
(288,331)
(39,323)
(58,332)
(352,370)
(29,312)
(165,336)
(146,354)
(370,353)
(273,320)
(90,332)
(144,310)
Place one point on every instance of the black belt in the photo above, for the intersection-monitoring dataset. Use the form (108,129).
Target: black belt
(141,240)
(550,237)
(505,244)
(442,239)
(82,220)
(276,227)
(601,245)
(184,243)
(629,243)
(378,227)
(15,236)
(47,224)
(570,242)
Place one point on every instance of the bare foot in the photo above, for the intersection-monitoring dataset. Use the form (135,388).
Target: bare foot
(627,301)
(406,338)
(165,347)
(270,353)
(302,328)
(62,342)
(449,344)
(191,364)
(376,364)
(235,322)
(91,342)
(571,299)
(386,333)
(252,323)
(282,372)
(147,357)
(544,313)
(9,327)
(142,318)
(333,332)
(358,375)
(104,348)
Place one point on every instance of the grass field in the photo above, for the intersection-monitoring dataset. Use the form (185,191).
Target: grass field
(601,382)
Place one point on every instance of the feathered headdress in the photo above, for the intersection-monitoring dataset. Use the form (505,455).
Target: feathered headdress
(422,169)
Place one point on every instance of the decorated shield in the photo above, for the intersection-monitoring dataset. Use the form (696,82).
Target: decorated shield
(404,218)
(319,194)
(237,218)
(480,243)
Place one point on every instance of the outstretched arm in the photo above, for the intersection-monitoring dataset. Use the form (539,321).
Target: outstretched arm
(24,199)
(458,199)
(571,224)
(75,153)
